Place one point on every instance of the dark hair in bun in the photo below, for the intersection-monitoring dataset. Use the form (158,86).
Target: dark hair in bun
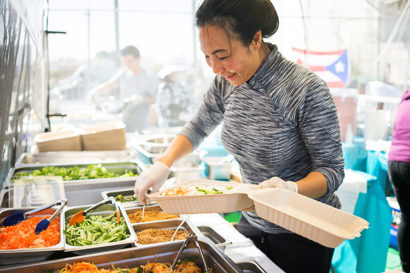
(241,18)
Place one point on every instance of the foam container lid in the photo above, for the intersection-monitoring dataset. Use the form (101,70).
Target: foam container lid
(307,217)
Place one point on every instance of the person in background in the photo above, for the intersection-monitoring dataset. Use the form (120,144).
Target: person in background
(137,90)
(279,122)
(172,98)
(399,174)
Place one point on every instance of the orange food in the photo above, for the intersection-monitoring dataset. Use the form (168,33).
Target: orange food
(22,234)
(86,267)
(150,215)
(177,191)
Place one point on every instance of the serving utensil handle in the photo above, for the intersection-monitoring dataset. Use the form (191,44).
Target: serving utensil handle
(63,203)
(105,201)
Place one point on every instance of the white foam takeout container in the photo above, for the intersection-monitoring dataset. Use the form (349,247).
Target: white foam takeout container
(307,217)
(209,203)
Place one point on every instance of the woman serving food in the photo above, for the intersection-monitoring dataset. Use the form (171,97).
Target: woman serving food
(279,122)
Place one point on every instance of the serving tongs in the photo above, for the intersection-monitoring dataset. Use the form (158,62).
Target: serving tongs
(13,219)
(43,224)
(191,238)
(79,216)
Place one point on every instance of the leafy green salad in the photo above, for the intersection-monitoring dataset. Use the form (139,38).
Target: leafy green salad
(76,172)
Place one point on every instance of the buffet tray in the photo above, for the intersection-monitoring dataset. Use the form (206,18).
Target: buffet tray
(153,207)
(103,210)
(125,192)
(133,257)
(4,198)
(116,167)
(67,157)
(13,256)
(169,224)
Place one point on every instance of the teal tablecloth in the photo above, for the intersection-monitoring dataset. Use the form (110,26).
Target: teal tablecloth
(377,166)
(367,253)
(355,154)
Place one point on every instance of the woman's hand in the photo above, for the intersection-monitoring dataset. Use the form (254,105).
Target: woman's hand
(153,177)
(276,182)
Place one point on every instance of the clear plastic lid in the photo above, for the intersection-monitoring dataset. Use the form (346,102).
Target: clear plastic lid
(36,191)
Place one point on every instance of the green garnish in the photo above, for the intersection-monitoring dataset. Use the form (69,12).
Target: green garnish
(75,173)
(96,229)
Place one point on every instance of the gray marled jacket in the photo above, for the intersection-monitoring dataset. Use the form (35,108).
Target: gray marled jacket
(282,122)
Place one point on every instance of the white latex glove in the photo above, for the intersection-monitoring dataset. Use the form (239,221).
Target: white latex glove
(153,177)
(276,182)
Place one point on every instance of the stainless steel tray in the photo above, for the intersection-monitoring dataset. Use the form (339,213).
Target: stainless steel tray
(115,167)
(67,157)
(214,236)
(80,194)
(13,256)
(149,208)
(125,192)
(133,257)
(4,198)
(103,210)
(170,224)
(250,267)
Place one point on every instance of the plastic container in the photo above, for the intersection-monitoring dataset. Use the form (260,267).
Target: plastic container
(157,143)
(307,217)
(217,169)
(104,137)
(36,191)
(209,203)
(58,141)
(185,174)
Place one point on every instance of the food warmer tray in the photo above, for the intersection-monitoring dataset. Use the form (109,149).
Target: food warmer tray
(124,192)
(103,210)
(4,198)
(132,257)
(13,256)
(169,224)
(68,157)
(154,207)
(116,167)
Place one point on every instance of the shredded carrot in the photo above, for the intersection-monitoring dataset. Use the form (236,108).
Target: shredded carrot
(86,267)
(22,234)
(177,191)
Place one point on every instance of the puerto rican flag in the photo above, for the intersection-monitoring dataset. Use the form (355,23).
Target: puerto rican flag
(332,66)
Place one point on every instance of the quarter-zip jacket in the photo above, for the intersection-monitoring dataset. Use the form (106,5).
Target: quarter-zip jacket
(282,122)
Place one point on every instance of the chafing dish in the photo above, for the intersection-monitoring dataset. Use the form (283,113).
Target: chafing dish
(133,257)
(103,210)
(4,198)
(169,224)
(13,256)
(116,167)
(153,207)
(214,236)
(67,157)
(250,267)
(124,192)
